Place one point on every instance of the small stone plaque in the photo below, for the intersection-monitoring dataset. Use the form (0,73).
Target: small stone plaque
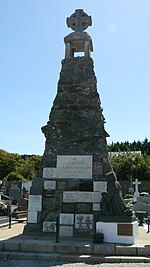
(49,226)
(67,219)
(49,173)
(49,184)
(83,208)
(75,167)
(100,186)
(85,196)
(96,206)
(32,216)
(84,221)
(97,168)
(65,230)
(70,196)
(125,229)
(35,203)
(96,197)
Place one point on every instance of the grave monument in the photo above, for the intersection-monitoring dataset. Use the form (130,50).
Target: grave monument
(75,161)
(118,222)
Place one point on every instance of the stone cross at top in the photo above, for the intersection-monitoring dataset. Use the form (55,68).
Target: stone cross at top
(79,21)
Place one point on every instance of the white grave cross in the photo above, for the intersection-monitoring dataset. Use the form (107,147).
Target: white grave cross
(136,183)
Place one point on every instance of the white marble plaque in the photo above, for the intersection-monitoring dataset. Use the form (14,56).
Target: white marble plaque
(32,216)
(49,184)
(74,167)
(85,197)
(35,203)
(70,196)
(100,186)
(84,221)
(96,206)
(49,226)
(65,230)
(49,173)
(66,218)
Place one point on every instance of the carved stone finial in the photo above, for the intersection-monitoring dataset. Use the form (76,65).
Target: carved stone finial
(78,41)
(79,21)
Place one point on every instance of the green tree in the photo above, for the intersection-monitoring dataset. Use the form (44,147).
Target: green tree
(7,163)
(12,176)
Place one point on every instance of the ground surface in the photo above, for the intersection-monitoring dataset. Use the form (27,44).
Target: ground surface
(22,263)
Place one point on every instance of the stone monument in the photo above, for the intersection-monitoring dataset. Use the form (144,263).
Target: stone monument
(75,161)
(118,222)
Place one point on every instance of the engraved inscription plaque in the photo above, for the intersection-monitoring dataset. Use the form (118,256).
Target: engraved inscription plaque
(70,197)
(49,173)
(74,167)
(84,221)
(125,229)
(35,203)
(32,216)
(49,226)
(49,184)
(67,219)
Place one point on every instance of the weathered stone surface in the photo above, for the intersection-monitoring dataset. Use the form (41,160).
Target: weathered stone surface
(75,129)
(76,123)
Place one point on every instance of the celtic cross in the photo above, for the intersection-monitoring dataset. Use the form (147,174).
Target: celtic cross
(79,21)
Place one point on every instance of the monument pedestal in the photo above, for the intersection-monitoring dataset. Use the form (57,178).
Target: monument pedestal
(117,232)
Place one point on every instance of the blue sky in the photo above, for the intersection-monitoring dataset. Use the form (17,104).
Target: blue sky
(31,50)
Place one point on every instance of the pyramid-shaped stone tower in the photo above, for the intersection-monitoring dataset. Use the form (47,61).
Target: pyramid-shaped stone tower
(75,161)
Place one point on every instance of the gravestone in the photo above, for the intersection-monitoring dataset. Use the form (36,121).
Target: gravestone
(75,161)
(136,193)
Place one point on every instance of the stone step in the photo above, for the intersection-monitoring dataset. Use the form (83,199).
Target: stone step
(90,259)
(70,248)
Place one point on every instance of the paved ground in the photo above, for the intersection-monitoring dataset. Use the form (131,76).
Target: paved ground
(12,240)
(22,263)
(17,230)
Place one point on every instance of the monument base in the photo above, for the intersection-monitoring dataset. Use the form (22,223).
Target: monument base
(117,232)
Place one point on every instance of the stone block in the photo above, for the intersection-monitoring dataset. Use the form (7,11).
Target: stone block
(1,245)
(104,249)
(65,249)
(68,207)
(36,246)
(35,203)
(143,250)
(126,250)
(49,226)
(70,197)
(49,173)
(47,257)
(32,216)
(22,255)
(50,185)
(84,221)
(65,230)
(11,245)
(66,219)
(84,249)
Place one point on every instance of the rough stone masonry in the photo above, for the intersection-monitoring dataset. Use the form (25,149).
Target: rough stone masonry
(72,174)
